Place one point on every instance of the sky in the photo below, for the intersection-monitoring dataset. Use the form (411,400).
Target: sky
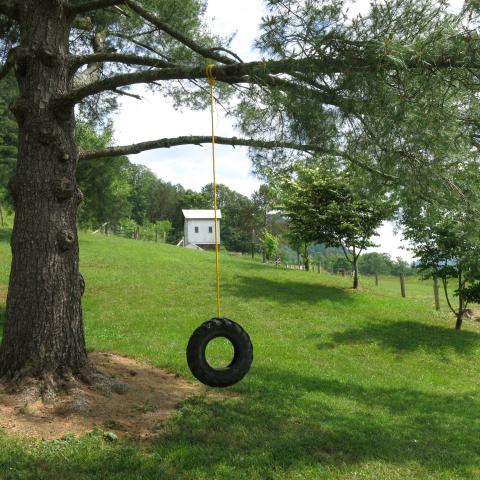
(154,117)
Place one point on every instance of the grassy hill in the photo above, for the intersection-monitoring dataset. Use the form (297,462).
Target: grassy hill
(344,384)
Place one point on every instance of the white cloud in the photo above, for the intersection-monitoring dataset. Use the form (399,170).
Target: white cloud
(391,242)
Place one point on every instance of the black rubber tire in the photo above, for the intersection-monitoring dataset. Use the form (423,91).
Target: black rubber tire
(242,357)
(82,284)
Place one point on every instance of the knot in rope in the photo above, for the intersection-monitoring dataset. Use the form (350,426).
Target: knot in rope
(210,76)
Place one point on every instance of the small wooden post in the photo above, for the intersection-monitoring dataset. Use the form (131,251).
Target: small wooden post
(253,244)
(402,284)
(376,279)
(343,273)
(435,293)
(319,267)
(156,235)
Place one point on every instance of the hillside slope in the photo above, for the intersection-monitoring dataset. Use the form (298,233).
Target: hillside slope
(344,384)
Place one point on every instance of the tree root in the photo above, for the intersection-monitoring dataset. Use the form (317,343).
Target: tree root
(50,387)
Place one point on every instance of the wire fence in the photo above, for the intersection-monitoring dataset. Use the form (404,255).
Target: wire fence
(149,233)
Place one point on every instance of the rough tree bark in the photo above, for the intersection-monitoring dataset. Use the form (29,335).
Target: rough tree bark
(43,333)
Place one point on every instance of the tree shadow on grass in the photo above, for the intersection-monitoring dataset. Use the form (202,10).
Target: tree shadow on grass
(285,291)
(290,425)
(286,422)
(408,337)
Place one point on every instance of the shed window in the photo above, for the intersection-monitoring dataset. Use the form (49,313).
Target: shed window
(210,229)
(196,229)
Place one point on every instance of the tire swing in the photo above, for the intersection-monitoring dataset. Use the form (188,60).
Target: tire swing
(218,326)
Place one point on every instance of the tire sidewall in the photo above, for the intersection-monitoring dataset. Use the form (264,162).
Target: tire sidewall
(242,358)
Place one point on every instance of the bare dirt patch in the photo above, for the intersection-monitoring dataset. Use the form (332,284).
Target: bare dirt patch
(139,399)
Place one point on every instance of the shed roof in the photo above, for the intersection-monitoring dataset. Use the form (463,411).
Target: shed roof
(201,214)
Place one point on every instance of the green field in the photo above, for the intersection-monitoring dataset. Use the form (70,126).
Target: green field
(345,385)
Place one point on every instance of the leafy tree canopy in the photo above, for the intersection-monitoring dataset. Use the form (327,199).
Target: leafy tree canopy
(381,92)
(326,209)
(447,245)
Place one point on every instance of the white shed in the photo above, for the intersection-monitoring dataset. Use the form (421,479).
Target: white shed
(199,227)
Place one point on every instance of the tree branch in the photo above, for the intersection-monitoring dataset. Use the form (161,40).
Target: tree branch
(187,140)
(127,94)
(102,57)
(232,141)
(92,5)
(346,251)
(445,289)
(134,39)
(164,27)
(251,72)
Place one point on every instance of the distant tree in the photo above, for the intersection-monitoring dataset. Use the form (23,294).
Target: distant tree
(381,263)
(295,242)
(142,186)
(325,209)
(270,243)
(399,265)
(375,263)
(164,201)
(447,245)
(341,264)
(104,182)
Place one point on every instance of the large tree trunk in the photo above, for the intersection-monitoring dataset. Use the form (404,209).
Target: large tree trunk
(43,333)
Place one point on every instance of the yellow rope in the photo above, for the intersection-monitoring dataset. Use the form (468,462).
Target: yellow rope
(211,81)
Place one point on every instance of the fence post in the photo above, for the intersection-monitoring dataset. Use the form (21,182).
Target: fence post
(376,279)
(319,267)
(402,284)
(435,292)
(253,244)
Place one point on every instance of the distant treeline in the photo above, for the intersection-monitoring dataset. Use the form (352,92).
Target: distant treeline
(333,260)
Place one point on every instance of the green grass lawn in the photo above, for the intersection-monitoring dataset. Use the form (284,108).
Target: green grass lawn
(344,385)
